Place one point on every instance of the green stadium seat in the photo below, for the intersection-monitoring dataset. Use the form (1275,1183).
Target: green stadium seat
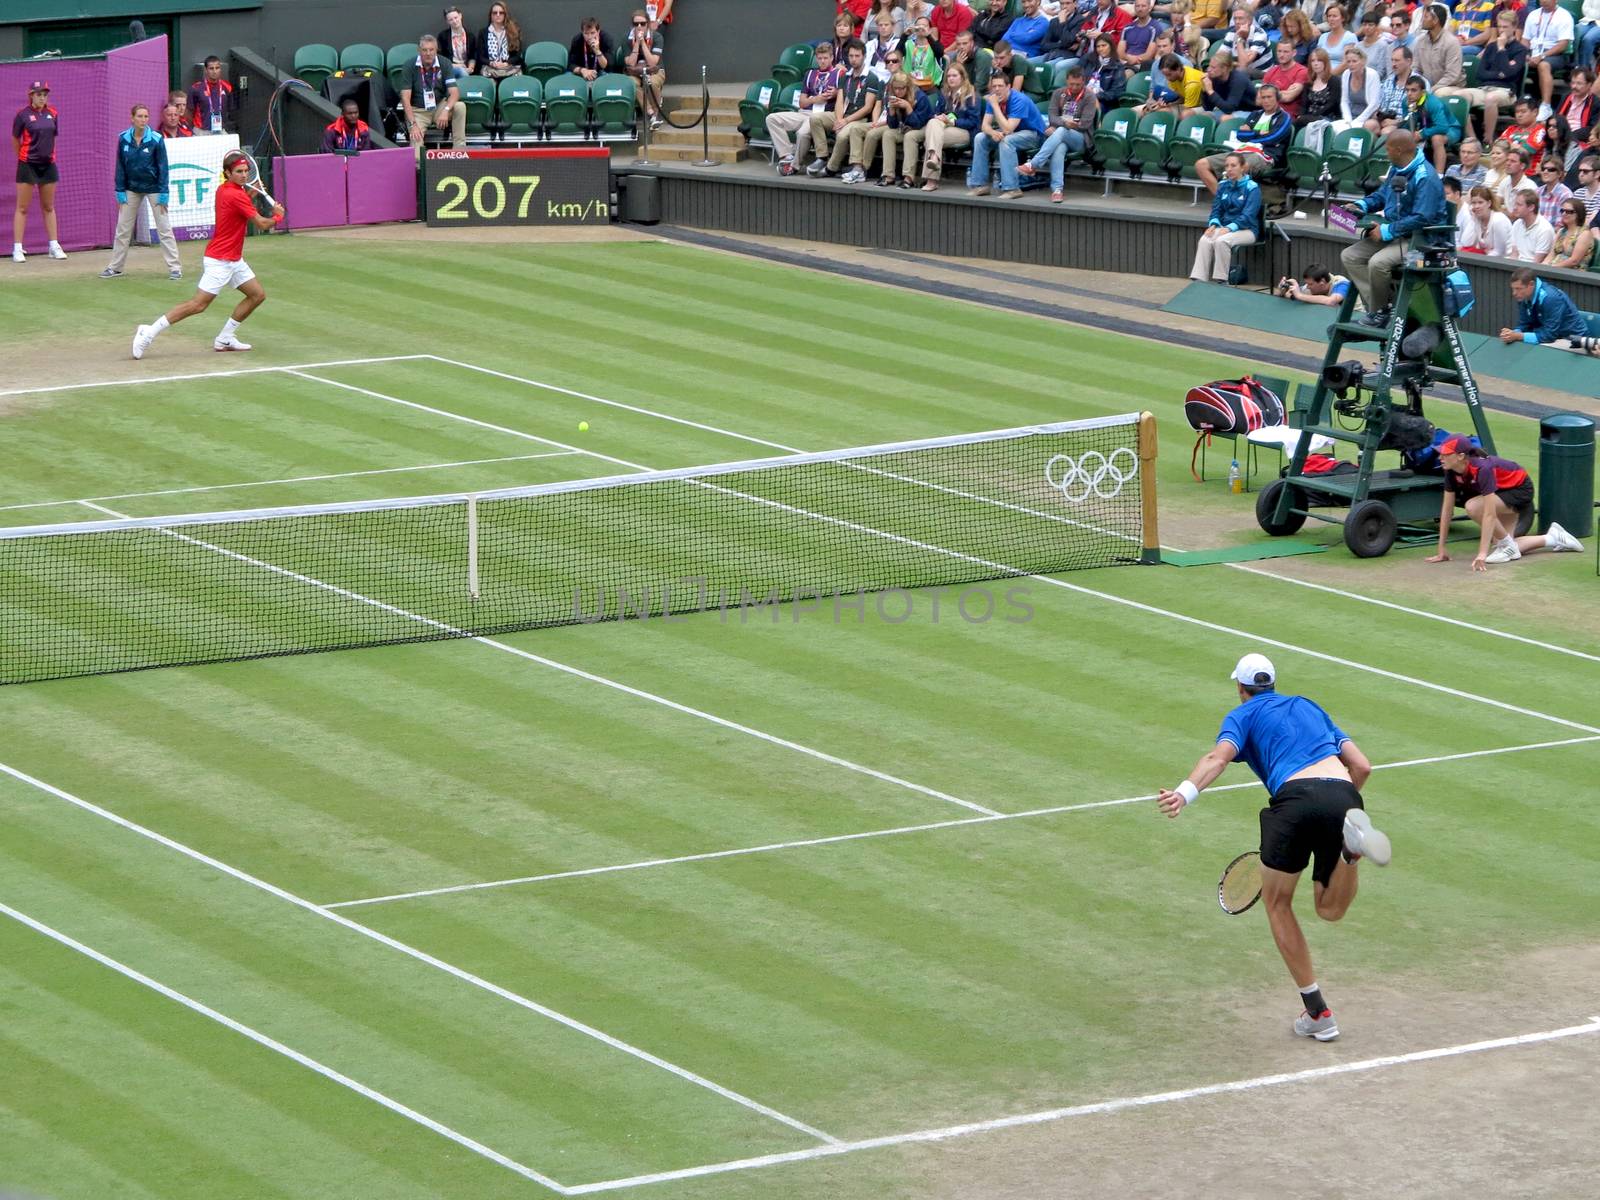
(521,101)
(1304,162)
(1594,323)
(1575,7)
(1460,108)
(1040,82)
(544,61)
(794,62)
(1137,92)
(1148,144)
(1188,142)
(315,63)
(478,94)
(1112,134)
(786,101)
(1225,129)
(363,56)
(566,107)
(758,100)
(397,64)
(1058,76)
(1346,152)
(614,107)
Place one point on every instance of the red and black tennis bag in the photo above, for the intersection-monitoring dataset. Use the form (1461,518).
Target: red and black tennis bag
(1232,406)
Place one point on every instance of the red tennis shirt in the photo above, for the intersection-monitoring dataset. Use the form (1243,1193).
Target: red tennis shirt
(234,210)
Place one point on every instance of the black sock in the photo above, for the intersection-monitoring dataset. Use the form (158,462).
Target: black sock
(1311,997)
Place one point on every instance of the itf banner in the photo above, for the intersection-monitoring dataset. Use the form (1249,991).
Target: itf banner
(194,172)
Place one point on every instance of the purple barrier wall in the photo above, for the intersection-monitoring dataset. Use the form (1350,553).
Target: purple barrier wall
(383,186)
(311,189)
(92,96)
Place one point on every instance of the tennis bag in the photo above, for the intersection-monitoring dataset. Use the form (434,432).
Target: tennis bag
(1232,406)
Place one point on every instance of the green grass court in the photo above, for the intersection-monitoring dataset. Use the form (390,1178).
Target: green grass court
(716,909)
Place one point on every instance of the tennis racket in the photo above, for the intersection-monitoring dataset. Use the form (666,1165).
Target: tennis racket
(1240,885)
(253,183)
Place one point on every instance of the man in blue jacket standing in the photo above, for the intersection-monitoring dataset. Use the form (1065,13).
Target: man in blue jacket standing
(141,176)
(1411,197)
(1546,316)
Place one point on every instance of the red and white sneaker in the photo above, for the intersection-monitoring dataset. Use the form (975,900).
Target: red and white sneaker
(229,343)
(1324,1028)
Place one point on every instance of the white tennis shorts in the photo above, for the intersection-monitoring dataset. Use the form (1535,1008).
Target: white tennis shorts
(219,275)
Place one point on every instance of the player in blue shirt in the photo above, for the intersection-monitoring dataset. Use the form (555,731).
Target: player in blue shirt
(1313,773)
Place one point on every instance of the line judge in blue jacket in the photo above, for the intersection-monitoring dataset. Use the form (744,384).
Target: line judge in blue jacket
(1411,197)
(1235,222)
(141,176)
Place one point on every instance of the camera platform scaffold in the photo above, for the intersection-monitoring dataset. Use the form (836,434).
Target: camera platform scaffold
(1381,409)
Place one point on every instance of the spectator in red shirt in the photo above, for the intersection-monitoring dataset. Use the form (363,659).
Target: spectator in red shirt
(948,19)
(1288,76)
(224,261)
(211,99)
(172,125)
(33,141)
(180,98)
(858,10)
(349,132)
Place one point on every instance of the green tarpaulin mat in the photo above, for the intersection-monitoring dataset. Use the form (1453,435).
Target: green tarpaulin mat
(1276,548)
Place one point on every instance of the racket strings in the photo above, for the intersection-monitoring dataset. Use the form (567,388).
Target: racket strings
(1240,886)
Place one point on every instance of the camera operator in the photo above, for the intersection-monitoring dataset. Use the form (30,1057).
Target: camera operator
(641,60)
(1316,285)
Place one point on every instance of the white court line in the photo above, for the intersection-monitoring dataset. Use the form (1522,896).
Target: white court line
(421,956)
(104,383)
(221,487)
(288,1052)
(895,831)
(650,412)
(1414,612)
(1592,1026)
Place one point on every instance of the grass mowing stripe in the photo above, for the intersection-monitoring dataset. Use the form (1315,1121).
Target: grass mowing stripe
(341,362)
(289,1052)
(420,955)
(219,487)
(957,822)
(1592,1026)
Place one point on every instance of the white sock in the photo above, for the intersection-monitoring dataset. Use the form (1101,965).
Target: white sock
(16,247)
(1550,540)
(161,323)
(54,245)
(228,329)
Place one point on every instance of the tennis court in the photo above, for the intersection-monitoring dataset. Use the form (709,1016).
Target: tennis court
(819,899)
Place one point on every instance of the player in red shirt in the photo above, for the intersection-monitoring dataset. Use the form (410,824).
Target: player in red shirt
(1494,491)
(224,261)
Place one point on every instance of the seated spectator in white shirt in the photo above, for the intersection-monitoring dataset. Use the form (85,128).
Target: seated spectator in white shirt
(884,42)
(1588,189)
(1246,42)
(1531,235)
(1360,90)
(1517,178)
(1482,226)
(1548,31)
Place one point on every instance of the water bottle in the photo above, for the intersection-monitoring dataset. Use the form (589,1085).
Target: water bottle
(1235,480)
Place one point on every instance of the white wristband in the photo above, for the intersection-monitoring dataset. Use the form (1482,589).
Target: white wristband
(1188,791)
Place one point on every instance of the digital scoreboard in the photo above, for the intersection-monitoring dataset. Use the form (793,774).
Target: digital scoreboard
(559,185)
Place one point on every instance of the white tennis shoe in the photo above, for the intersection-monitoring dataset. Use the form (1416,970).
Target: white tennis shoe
(1504,552)
(142,337)
(1323,1028)
(1558,538)
(1362,840)
(56,251)
(229,343)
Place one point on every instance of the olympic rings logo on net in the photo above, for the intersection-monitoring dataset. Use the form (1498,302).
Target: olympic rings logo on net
(1092,474)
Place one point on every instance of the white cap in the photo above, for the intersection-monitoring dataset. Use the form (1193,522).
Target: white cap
(1255,670)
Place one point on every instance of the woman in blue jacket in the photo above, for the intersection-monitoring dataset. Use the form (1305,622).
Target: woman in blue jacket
(1235,223)
(958,111)
(141,176)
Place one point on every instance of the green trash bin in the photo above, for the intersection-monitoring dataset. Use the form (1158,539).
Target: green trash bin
(1566,472)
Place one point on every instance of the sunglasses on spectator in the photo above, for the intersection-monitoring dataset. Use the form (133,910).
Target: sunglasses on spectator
(639,24)
(895,58)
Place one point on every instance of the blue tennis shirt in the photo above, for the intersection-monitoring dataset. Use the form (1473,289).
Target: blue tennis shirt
(1275,736)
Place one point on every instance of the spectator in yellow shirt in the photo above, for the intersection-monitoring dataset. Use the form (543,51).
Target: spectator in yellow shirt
(1181,91)
(1208,14)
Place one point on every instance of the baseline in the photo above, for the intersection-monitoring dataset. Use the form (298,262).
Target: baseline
(676,420)
(421,956)
(288,1052)
(895,831)
(1121,1104)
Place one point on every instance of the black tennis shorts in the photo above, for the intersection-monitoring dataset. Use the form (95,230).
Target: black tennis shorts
(1515,498)
(1305,821)
(37,173)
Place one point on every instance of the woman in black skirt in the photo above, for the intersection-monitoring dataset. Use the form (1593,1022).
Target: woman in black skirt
(33,137)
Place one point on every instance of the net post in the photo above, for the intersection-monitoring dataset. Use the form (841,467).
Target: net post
(1150,552)
(472,547)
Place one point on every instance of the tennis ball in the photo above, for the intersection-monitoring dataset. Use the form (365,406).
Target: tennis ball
(583,427)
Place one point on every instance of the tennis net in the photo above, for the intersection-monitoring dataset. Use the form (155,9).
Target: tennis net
(122,595)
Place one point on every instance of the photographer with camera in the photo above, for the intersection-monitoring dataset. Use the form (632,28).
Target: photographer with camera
(1493,491)
(1410,199)
(1316,285)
